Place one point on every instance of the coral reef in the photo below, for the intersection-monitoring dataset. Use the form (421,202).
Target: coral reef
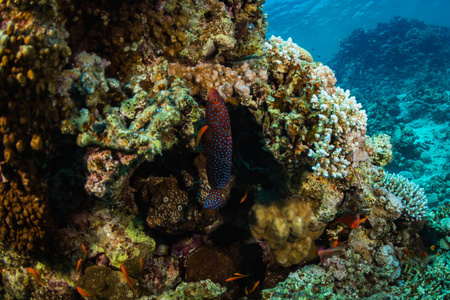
(204,289)
(102,186)
(176,206)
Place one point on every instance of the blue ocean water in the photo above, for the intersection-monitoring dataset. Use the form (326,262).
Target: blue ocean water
(319,25)
(394,57)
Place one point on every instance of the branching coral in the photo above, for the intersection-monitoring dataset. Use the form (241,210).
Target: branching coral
(341,125)
(413,197)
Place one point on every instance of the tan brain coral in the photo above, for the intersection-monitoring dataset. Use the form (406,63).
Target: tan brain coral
(289,228)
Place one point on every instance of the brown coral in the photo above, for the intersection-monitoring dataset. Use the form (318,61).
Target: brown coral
(175,204)
(33,52)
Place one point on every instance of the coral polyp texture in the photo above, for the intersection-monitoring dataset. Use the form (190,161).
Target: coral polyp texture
(288,228)
(413,197)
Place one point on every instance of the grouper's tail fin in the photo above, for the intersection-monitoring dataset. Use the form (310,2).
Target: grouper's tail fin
(213,200)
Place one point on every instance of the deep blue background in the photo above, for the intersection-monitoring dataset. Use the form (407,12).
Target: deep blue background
(318,25)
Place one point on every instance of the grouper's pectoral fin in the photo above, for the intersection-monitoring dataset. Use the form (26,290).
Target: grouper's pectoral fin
(199,135)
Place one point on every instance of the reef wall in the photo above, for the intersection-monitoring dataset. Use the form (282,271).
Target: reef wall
(103,185)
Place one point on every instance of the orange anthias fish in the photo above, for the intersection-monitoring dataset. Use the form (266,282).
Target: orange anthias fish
(78,265)
(243,198)
(350,221)
(253,288)
(325,253)
(236,276)
(83,247)
(218,146)
(36,275)
(83,292)
(124,271)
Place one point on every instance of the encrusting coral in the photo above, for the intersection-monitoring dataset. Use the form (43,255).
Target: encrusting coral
(382,149)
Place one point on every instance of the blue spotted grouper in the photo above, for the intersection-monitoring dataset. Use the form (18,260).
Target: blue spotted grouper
(218,146)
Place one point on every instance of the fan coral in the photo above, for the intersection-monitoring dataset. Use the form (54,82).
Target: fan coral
(340,128)
(413,197)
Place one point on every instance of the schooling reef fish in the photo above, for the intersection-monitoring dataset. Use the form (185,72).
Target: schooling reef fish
(218,145)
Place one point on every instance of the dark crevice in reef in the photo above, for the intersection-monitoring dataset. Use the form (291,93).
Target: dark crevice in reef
(252,165)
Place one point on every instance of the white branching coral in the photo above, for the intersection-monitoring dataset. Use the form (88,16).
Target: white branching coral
(285,53)
(414,200)
(341,125)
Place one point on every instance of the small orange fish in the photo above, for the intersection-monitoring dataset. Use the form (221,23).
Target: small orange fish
(335,243)
(36,275)
(324,253)
(141,264)
(424,254)
(199,135)
(355,223)
(83,247)
(78,265)
(127,277)
(83,292)
(253,288)
(243,198)
(236,276)
(433,248)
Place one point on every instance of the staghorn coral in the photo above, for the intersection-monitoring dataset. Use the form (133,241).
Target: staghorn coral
(288,228)
(413,198)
